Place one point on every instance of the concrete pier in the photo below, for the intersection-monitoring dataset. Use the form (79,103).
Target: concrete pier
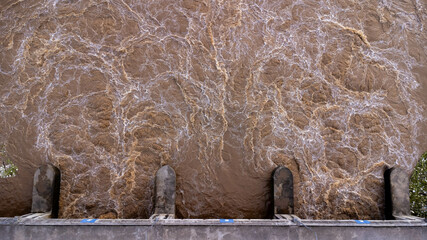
(46,190)
(165,192)
(397,194)
(283,191)
(399,181)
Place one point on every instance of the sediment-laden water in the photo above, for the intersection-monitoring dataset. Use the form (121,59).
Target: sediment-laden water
(223,92)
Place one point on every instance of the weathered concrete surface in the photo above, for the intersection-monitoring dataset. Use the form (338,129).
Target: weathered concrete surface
(283,191)
(209,229)
(46,190)
(399,189)
(165,191)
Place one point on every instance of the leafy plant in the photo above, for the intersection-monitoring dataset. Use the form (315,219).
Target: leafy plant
(7,168)
(418,188)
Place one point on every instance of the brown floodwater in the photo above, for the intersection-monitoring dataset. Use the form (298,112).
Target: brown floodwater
(223,92)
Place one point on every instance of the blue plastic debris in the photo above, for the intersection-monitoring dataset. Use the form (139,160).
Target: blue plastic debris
(362,221)
(226,221)
(88,220)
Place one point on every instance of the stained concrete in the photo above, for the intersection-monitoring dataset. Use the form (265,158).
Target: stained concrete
(399,187)
(283,191)
(165,191)
(38,228)
(46,190)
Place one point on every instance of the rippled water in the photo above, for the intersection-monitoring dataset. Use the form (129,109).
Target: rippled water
(222,91)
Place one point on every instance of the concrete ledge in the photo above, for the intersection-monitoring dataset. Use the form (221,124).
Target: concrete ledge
(39,228)
(210,222)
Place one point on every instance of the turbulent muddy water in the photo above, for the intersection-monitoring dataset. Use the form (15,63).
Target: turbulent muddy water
(222,91)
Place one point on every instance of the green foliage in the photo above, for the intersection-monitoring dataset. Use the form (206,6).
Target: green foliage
(7,168)
(418,188)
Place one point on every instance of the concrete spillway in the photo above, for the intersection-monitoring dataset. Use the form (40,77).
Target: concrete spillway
(41,223)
